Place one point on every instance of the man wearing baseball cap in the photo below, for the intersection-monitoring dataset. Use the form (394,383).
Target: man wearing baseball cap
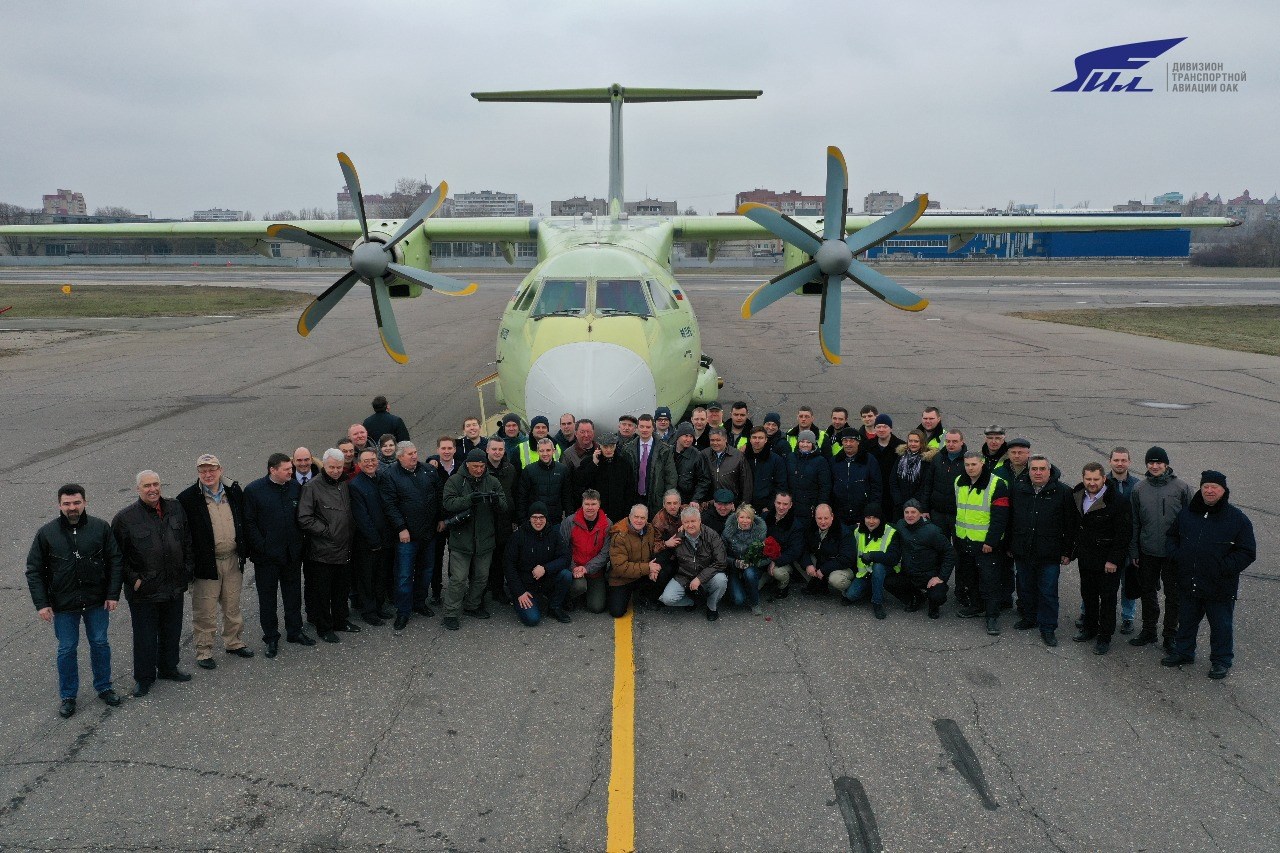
(215,512)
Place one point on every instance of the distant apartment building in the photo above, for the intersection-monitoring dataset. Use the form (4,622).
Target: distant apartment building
(791,202)
(1173,198)
(217,214)
(65,203)
(881,203)
(372,205)
(490,203)
(579,205)
(650,207)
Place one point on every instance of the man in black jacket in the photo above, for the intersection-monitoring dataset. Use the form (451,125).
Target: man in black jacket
(275,546)
(373,544)
(548,481)
(693,477)
(507,475)
(537,562)
(215,511)
(1103,527)
(382,422)
(74,572)
(940,482)
(1211,543)
(324,514)
(927,562)
(411,500)
(155,541)
(1041,532)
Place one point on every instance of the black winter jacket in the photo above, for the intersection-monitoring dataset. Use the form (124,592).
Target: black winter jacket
(810,479)
(1042,527)
(550,483)
(372,530)
(192,500)
(836,550)
(411,499)
(926,552)
(940,491)
(156,550)
(615,480)
(693,477)
(528,548)
(60,579)
(324,514)
(855,482)
(271,520)
(1211,546)
(1102,533)
(788,533)
(768,475)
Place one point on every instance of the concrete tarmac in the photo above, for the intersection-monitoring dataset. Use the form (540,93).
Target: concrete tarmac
(811,728)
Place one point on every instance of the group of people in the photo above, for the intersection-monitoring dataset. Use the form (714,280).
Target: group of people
(677,515)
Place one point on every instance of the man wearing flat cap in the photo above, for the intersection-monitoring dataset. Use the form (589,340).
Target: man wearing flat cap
(1157,500)
(215,513)
(1210,543)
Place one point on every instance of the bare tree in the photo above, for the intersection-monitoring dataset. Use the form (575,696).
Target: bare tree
(15,214)
(114,212)
(408,194)
(246,216)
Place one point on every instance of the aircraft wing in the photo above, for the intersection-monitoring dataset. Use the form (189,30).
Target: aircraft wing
(741,228)
(480,228)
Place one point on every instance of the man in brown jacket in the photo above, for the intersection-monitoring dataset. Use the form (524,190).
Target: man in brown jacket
(700,565)
(632,544)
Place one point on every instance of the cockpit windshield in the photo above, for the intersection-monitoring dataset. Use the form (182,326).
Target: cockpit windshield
(621,296)
(561,298)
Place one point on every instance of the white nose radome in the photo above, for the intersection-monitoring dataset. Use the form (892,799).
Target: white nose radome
(594,380)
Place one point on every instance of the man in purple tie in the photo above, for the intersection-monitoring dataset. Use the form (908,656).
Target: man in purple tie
(654,463)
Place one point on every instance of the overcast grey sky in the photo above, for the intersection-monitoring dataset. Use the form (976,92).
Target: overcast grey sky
(168,107)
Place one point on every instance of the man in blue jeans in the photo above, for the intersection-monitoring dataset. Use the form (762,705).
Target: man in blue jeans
(74,572)
(879,553)
(1041,534)
(410,499)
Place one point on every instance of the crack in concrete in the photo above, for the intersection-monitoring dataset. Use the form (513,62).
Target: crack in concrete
(18,800)
(1022,802)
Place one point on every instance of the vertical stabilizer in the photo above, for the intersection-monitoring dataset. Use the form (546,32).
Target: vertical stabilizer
(615,96)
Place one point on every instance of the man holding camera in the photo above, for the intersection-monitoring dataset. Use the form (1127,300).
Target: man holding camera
(471,503)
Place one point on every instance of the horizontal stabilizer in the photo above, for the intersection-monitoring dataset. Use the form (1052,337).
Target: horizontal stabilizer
(630,95)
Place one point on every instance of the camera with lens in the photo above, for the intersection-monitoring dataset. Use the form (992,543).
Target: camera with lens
(456,520)
(489,498)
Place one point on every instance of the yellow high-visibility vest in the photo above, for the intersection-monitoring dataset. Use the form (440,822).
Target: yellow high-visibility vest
(973,509)
(866,544)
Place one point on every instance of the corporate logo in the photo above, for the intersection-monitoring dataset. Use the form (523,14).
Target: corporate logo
(1111,69)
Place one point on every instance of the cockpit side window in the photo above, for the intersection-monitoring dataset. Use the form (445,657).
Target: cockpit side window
(561,297)
(526,298)
(621,296)
(661,296)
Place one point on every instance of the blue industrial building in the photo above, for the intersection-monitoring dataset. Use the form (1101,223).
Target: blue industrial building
(1059,244)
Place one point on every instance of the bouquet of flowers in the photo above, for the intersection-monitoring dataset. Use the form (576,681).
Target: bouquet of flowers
(758,552)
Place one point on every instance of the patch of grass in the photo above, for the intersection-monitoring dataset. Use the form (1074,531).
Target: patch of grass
(1246,328)
(130,300)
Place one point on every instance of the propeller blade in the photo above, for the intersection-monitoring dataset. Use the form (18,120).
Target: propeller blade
(887,226)
(429,206)
(301,235)
(781,226)
(837,200)
(387,328)
(776,288)
(829,319)
(434,280)
(885,288)
(353,187)
(320,306)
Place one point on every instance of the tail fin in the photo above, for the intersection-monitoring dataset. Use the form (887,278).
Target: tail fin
(615,96)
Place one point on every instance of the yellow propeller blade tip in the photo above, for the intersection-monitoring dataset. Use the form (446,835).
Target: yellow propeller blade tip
(919,306)
(826,353)
(833,151)
(751,205)
(398,357)
(273,230)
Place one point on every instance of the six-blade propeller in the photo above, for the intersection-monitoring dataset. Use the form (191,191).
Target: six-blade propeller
(834,255)
(374,263)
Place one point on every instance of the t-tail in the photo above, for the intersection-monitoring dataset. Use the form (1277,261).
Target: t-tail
(615,96)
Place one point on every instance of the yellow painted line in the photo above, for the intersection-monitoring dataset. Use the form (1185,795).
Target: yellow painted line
(622,772)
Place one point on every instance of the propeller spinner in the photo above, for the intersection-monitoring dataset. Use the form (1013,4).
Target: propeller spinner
(374,263)
(834,255)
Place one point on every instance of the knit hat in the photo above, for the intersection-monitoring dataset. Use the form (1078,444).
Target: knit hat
(685,428)
(540,419)
(1157,454)
(477,455)
(912,503)
(1216,477)
(884,419)
(994,429)
(723,496)
(1020,442)
(850,432)
(510,417)
(662,412)
(538,508)
(873,511)
(607,438)
(806,435)
(773,417)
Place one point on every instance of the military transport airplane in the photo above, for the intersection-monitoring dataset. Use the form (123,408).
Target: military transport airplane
(600,326)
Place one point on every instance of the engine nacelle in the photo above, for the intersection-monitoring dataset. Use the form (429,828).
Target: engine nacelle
(792,258)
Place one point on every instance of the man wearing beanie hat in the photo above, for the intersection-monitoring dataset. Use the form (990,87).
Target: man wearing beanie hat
(471,540)
(884,449)
(1157,500)
(879,553)
(1212,543)
(855,479)
(663,429)
(536,562)
(772,424)
(693,477)
(539,428)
